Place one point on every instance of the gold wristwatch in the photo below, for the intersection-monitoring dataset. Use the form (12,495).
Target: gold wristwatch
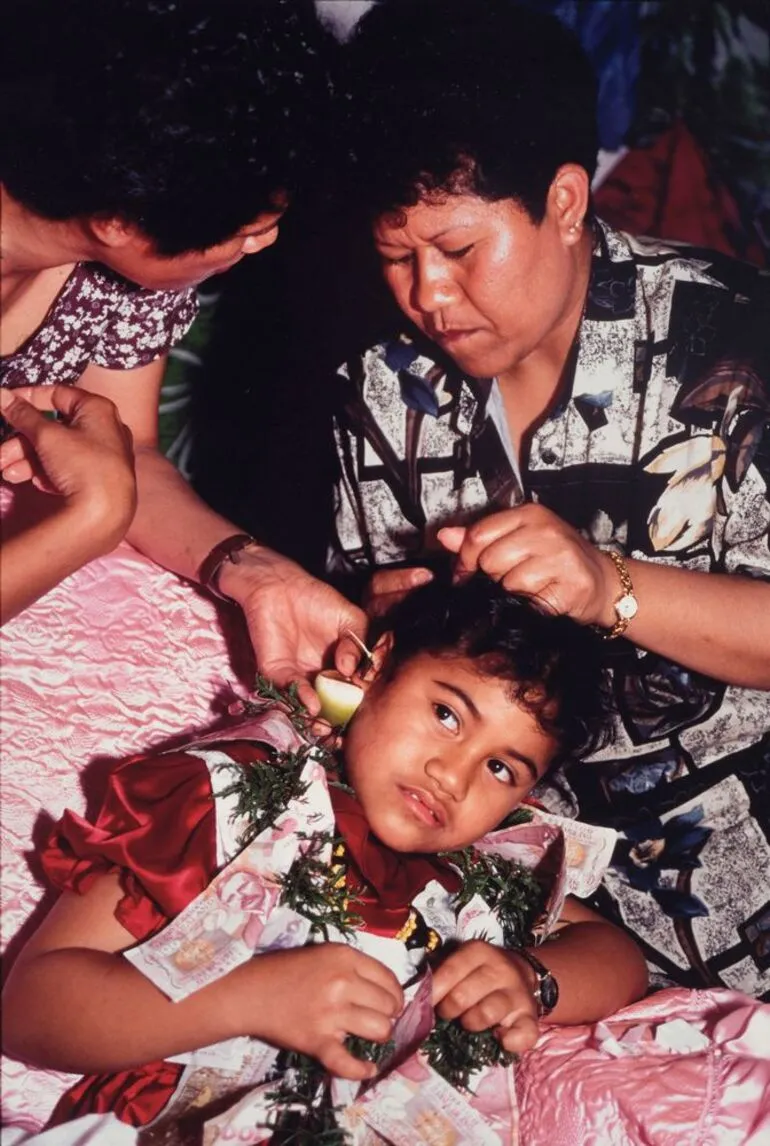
(626,607)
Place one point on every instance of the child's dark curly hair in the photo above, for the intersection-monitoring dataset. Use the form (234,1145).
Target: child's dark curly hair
(183,117)
(553,664)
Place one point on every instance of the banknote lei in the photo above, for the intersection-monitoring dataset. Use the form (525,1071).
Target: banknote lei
(304,1113)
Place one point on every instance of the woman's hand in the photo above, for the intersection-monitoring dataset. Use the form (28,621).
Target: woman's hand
(486,987)
(311,998)
(531,550)
(86,459)
(389,586)
(295,620)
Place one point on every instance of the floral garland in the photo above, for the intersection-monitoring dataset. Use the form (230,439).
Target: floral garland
(312,887)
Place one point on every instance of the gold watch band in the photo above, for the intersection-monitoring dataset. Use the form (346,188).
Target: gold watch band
(626,605)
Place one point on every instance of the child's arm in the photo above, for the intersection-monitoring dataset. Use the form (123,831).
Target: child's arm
(73,1003)
(597,966)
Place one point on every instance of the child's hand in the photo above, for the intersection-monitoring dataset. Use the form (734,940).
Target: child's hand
(484,987)
(311,998)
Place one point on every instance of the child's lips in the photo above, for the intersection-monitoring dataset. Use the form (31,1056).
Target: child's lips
(424,807)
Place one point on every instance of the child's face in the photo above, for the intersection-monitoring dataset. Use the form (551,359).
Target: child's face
(439,754)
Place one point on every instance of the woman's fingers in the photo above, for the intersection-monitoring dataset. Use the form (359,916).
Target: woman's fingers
(348,654)
(470,543)
(530,550)
(452,537)
(388,586)
(19,472)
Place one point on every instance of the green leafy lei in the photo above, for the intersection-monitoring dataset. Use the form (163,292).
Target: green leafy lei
(303,1110)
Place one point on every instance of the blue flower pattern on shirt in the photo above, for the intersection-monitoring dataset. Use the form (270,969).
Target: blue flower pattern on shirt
(661,446)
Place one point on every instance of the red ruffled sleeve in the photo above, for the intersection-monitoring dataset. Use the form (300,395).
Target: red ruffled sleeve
(156,827)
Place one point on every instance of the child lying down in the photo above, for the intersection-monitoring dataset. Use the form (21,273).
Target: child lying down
(380,888)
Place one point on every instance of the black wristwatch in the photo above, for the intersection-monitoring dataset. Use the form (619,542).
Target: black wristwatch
(546,989)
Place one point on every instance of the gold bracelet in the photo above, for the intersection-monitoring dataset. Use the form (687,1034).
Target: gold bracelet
(626,606)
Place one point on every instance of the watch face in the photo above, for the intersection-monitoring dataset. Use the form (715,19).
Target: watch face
(627,607)
(549,993)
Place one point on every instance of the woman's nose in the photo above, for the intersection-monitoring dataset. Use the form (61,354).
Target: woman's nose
(451,773)
(253,244)
(432,287)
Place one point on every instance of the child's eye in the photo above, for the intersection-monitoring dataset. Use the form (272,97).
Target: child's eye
(446,716)
(501,771)
(459,253)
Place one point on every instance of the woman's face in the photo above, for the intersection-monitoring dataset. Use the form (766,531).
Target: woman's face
(482,280)
(138,260)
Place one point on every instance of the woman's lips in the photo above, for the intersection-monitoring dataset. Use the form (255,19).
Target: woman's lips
(423,807)
(452,337)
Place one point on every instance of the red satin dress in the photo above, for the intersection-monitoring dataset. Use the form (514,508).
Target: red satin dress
(157,829)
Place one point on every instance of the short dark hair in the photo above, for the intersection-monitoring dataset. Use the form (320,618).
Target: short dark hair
(487,97)
(555,667)
(184,117)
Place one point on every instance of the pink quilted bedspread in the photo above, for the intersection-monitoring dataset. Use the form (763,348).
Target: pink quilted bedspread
(122,656)
(119,657)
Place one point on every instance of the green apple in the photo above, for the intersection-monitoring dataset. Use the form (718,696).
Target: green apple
(339,697)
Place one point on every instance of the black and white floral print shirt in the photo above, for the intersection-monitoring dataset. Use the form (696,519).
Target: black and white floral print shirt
(661,447)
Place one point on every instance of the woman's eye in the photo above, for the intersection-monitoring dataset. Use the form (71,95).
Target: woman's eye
(459,253)
(501,771)
(445,716)
(396,261)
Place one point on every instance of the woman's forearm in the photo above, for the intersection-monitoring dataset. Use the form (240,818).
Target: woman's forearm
(172,525)
(716,624)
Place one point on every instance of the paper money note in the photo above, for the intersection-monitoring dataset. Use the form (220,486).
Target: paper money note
(541,847)
(238,915)
(414,1106)
(588,851)
(248,1122)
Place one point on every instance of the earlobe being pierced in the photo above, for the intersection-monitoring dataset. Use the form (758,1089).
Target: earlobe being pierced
(367,656)
(339,697)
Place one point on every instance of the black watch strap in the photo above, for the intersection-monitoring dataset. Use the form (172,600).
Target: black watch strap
(546,989)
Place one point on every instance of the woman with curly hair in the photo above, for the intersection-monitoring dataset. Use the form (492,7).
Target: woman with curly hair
(146,146)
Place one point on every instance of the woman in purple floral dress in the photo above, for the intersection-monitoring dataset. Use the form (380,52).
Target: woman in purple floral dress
(146,147)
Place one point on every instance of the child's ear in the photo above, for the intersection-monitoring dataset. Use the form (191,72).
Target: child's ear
(341,695)
(370,667)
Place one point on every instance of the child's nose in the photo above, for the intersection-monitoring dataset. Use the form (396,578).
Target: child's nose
(451,772)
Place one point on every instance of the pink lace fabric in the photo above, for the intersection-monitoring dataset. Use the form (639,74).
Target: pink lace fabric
(119,657)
